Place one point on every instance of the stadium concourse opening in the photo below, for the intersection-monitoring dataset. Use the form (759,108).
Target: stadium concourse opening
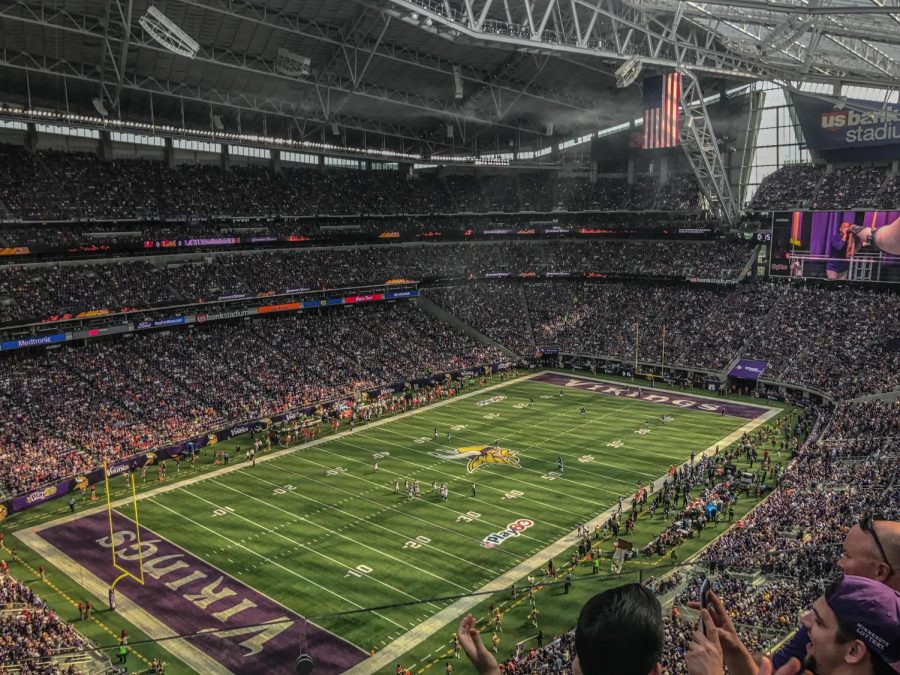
(408,336)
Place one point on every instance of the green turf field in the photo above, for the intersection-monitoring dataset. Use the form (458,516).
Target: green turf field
(321,531)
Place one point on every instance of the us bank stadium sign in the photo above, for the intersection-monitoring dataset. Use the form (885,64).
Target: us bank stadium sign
(842,129)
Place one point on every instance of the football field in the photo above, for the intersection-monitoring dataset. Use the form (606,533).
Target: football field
(319,533)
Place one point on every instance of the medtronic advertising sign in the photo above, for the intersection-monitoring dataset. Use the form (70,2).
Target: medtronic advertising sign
(850,129)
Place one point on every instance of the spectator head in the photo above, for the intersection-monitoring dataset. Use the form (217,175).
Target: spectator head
(872,550)
(854,629)
(620,631)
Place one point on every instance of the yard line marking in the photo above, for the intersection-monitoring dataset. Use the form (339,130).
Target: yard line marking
(272,562)
(340,564)
(530,485)
(367,520)
(358,543)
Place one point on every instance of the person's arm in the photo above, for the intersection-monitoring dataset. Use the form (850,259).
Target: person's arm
(704,653)
(885,238)
(737,657)
(470,639)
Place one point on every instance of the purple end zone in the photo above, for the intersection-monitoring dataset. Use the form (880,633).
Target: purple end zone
(187,595)
(650,395)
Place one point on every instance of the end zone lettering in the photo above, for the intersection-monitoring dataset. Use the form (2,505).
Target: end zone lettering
(492,399)
(514,529)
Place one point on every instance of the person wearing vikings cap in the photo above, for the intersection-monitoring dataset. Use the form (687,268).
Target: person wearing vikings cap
(854,629)
(871,549)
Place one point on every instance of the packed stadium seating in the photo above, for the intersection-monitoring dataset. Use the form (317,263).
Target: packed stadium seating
(37,293)
(849,187)
(790,187)
(836,340)
(31,633)
(55,185)
(64,412)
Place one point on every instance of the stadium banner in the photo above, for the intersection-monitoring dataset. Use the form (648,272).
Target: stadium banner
(232,314)
(34,341)
(192,445)
(281,307)
(40,496)
(160,323)
(849,130)
(100,332)
(748,369)
(810,244)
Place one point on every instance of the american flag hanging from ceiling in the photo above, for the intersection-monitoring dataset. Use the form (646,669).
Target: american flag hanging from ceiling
(662,94)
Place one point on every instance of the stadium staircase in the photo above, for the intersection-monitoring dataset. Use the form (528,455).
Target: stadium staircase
(524,301)
(815,192)
(441,314)
(888,180)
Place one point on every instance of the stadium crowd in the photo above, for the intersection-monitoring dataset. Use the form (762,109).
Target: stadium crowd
(840,341)
(31,634)
(36,293)
(66,411)
(56,185)
(790,187)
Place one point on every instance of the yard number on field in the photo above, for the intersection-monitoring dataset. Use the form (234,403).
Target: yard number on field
(336,471)
(358,571)
(224,511)
(468,517)
(418,542)
(513,494)
(284,489)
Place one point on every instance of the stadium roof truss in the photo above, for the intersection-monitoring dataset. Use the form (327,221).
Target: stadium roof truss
(500,73)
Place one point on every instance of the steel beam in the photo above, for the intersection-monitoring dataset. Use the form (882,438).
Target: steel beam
(61,68)
(698,140)
(257,67)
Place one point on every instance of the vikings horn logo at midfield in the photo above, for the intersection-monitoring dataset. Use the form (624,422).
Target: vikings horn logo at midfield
(479,455)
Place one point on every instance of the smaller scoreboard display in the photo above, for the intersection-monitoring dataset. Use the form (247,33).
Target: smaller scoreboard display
(814,245)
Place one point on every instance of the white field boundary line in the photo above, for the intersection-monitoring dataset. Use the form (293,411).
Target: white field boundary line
(412,638)
(191,656)
(144,620)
